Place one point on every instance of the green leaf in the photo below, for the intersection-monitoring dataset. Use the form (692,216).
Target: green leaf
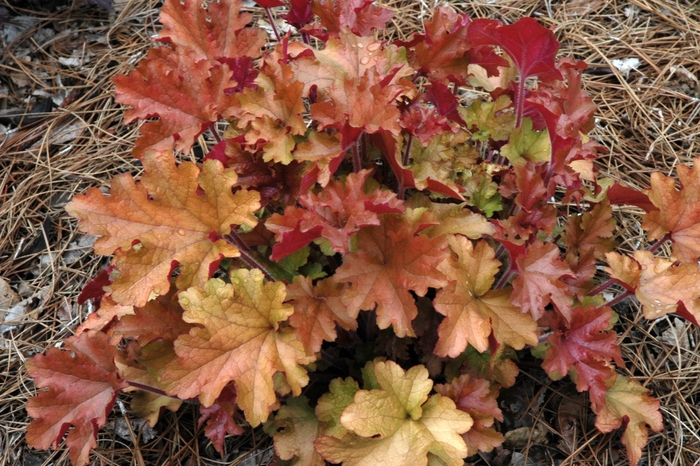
(295,260)
(488,120)
(527,145)
(331,405)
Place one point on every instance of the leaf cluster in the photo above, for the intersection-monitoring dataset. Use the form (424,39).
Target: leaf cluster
(380,214)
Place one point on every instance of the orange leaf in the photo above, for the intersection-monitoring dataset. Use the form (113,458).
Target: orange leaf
(159,319)
(273,109)
(442,51)
(392,259)
(317,309)
(163,221)
(367,103)
(101,318)
(360,16)
(241,340)
(473,310)
(323,151)
(476,397)
(679,211)
(347,57)
(83,384)
(219,30)
(628,401)
(539,281)
(664,284)
(624,269)
(185,95)
(591,231)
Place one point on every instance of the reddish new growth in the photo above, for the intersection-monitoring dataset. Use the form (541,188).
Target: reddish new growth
(356,216)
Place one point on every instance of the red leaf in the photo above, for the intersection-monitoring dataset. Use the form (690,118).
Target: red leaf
(585,350)
(572,106)
(219,418)
(531,46)
(444,100)
(83,384)
(95,288)
(291,240)
(244,73)
(269,3)
(441,52)
(620,195)
(300,13)
(336,213)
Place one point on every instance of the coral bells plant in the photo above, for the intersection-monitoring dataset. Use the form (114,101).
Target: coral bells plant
(378,232)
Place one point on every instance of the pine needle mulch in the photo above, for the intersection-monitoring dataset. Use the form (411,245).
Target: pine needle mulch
(60,133)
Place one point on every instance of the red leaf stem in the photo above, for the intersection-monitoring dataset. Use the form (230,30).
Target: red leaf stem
(272,23)
(247,255)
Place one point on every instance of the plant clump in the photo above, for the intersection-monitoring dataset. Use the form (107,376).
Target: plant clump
(403,218)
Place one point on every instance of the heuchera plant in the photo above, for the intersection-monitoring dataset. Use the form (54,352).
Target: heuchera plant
(381,215)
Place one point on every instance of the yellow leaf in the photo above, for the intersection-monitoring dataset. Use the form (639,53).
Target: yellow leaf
(627,399)
(299,430)
(395,425)
(241,341)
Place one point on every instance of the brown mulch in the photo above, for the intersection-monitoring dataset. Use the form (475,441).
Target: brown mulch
(60,133)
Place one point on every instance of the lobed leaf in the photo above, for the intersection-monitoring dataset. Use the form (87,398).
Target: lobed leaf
(473,311)
(82,387)
(299,429)
(165,220)
(628,401)
(539,282)
(362,17)
(390,260)
(584,350)
(477,398)
(241,339)
(219,418)
(336,213)
(211,30)
(398,424)
(317,310)
(187,96)
(678,211)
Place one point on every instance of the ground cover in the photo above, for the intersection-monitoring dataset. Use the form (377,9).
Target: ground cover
(61,133)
